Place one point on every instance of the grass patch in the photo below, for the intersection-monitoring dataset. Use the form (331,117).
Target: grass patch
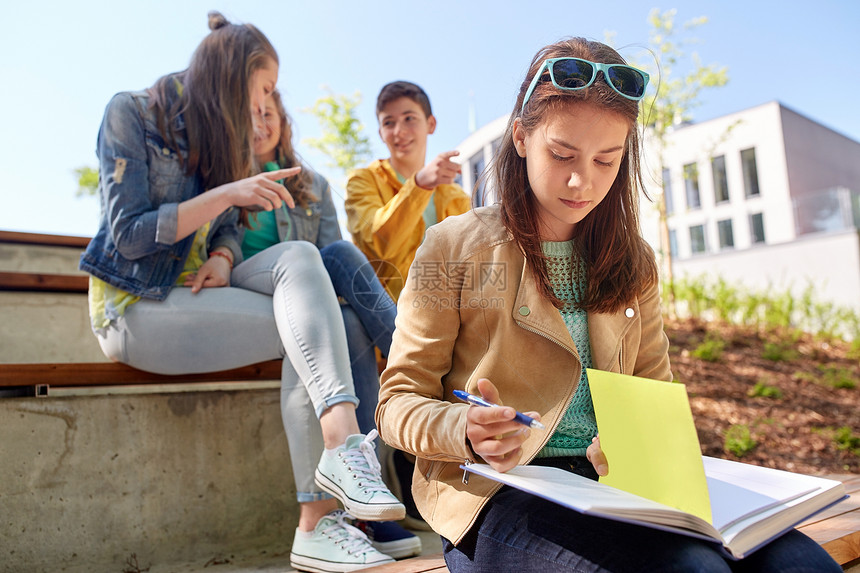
(762,390)
(837,377)
(779,352)
(847,440)
(710,350)
(830,376)
(739,440)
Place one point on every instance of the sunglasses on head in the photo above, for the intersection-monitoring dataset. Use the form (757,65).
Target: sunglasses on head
(577,74)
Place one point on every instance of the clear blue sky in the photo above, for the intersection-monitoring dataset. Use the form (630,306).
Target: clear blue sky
(62,61)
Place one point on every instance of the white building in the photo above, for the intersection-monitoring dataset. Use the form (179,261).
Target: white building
(765,198)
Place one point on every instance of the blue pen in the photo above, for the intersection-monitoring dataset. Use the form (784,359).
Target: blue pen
(478,401)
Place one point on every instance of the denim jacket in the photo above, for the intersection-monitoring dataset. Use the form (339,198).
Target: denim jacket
(141,183)
(316,223)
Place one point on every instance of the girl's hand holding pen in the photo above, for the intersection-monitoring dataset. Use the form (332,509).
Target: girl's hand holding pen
(493,433)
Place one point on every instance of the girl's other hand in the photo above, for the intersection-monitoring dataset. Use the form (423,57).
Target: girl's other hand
(215,272)
(597,458)
(262,192)
(493,433)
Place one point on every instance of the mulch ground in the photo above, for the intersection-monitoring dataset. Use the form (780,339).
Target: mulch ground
(798,426)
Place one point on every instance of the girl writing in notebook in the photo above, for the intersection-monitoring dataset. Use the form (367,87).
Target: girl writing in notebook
(513,302)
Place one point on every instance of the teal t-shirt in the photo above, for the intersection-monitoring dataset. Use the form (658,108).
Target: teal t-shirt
(567,275)
(429,214)
(262,231)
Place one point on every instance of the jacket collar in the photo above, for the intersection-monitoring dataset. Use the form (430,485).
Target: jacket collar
(534,312)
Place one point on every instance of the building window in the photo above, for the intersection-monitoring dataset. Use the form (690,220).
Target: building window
(757,228)
(697,239)
(721,182)
(673,243)
(691,184)
(667,191)
(727,238)
(478,183)
(750,172)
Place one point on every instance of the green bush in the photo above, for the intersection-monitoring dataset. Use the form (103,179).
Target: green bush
(764,391)
(837,377)
(778,352)
(847,440)
(854,349)
(739,440)
(710,350)
(703,298)
(829,376)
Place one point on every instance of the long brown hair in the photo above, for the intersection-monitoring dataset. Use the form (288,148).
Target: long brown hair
(212,97)
(299,186)
(620,263)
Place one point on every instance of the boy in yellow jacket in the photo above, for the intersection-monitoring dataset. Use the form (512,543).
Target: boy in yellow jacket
(391,203)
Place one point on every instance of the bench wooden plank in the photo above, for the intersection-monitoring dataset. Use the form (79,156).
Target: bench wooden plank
(43,239)
(837,529)
(844,543)
(43,282)
(434,563)
(113,374)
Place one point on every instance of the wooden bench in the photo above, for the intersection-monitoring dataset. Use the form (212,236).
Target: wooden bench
(433,563)
(39,377)
(836,529)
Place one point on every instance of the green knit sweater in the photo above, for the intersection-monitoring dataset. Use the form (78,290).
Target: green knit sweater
(567,275)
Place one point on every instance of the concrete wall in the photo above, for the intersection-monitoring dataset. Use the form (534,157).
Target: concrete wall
(87,481)
(20,258)
(177,475)
(41,326)
(46,327)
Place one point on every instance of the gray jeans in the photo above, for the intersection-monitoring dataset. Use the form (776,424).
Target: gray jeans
(281,305)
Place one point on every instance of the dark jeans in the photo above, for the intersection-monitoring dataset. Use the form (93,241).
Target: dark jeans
(368,316)
(520,532)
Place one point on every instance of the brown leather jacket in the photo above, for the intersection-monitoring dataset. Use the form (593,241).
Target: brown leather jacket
(470,310)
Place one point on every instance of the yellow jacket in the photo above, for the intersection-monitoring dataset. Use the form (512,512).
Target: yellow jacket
(471,309)
(386,219)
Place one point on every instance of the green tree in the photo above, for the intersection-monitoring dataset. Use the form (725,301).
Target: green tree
(88,180)
(342,140)
(679,78)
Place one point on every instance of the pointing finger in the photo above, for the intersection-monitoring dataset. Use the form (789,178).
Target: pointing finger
(282,173)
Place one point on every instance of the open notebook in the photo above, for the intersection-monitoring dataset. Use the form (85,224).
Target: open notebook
(658,477)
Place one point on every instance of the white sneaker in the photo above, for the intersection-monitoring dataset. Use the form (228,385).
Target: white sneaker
(334,547)
(353,476)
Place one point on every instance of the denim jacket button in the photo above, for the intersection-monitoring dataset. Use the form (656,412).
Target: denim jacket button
(165,151)
(628,313)
(524,311)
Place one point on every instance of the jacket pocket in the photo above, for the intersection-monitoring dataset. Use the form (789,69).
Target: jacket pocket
(166,173)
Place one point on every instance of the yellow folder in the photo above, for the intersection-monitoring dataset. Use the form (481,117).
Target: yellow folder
(647,433)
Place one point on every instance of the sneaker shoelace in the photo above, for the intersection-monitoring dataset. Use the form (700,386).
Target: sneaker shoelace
(350,538)
(363,464)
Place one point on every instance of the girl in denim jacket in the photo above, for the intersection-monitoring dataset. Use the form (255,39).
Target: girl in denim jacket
(169,292)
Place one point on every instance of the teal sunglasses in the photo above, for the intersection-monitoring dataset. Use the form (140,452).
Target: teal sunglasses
(577,74)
